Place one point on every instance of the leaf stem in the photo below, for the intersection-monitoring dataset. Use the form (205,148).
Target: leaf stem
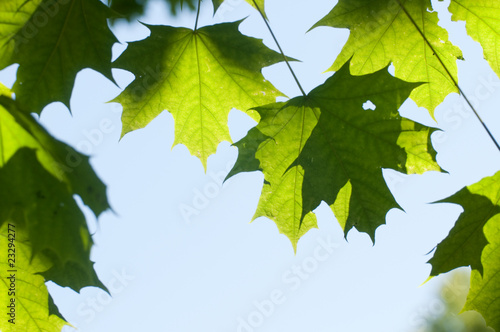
(197,16)
(279,47)
(450,75)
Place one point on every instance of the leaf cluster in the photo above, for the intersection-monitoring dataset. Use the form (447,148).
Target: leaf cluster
(326,145)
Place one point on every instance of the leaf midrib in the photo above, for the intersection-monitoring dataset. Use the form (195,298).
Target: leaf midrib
(56,46)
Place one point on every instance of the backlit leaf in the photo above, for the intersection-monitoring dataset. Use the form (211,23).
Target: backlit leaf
(13,17)
(38,178)
(198,76)
(31,298)
(482,20)
(276,142)
(350,145)
(474,241)
(383,33)
(484,293)
(311,148)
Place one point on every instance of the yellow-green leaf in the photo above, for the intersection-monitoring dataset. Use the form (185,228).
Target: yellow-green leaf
(198,76)
(484,293)
(13,17)
(482,21)
(385,31)
(276,143)
(25,293)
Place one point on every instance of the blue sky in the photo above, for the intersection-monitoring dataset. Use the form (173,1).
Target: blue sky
(215,271)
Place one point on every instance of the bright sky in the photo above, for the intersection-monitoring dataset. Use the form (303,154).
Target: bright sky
(215,271)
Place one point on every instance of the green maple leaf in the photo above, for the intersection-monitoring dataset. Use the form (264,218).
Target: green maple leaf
(350,145)
(31,295)
(484,293)
(38,202)
(382,32)
(272,146)
(38,178)
(474,241)
(59,40)
(18,129)
(482,21)
(198,76)
(465,242)
(325,146)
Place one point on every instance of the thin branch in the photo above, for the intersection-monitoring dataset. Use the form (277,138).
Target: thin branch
(197,16)
(450,75)
(279,47)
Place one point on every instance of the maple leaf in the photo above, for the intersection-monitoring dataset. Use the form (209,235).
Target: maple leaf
(272,146)
(31,296)
(484,293)
(56,227)
(482,21)
(198,76)
(38,178)
(383,32)
(474,241)
(18,129)
(465,242)
(311,148)
(350,145)
(59,40)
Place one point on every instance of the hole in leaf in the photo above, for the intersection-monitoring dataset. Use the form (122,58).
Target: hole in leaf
(368,105)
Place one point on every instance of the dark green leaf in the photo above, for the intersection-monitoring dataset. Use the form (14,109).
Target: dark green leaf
(60,39)
(311,148)
(39,177)
(350,146)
